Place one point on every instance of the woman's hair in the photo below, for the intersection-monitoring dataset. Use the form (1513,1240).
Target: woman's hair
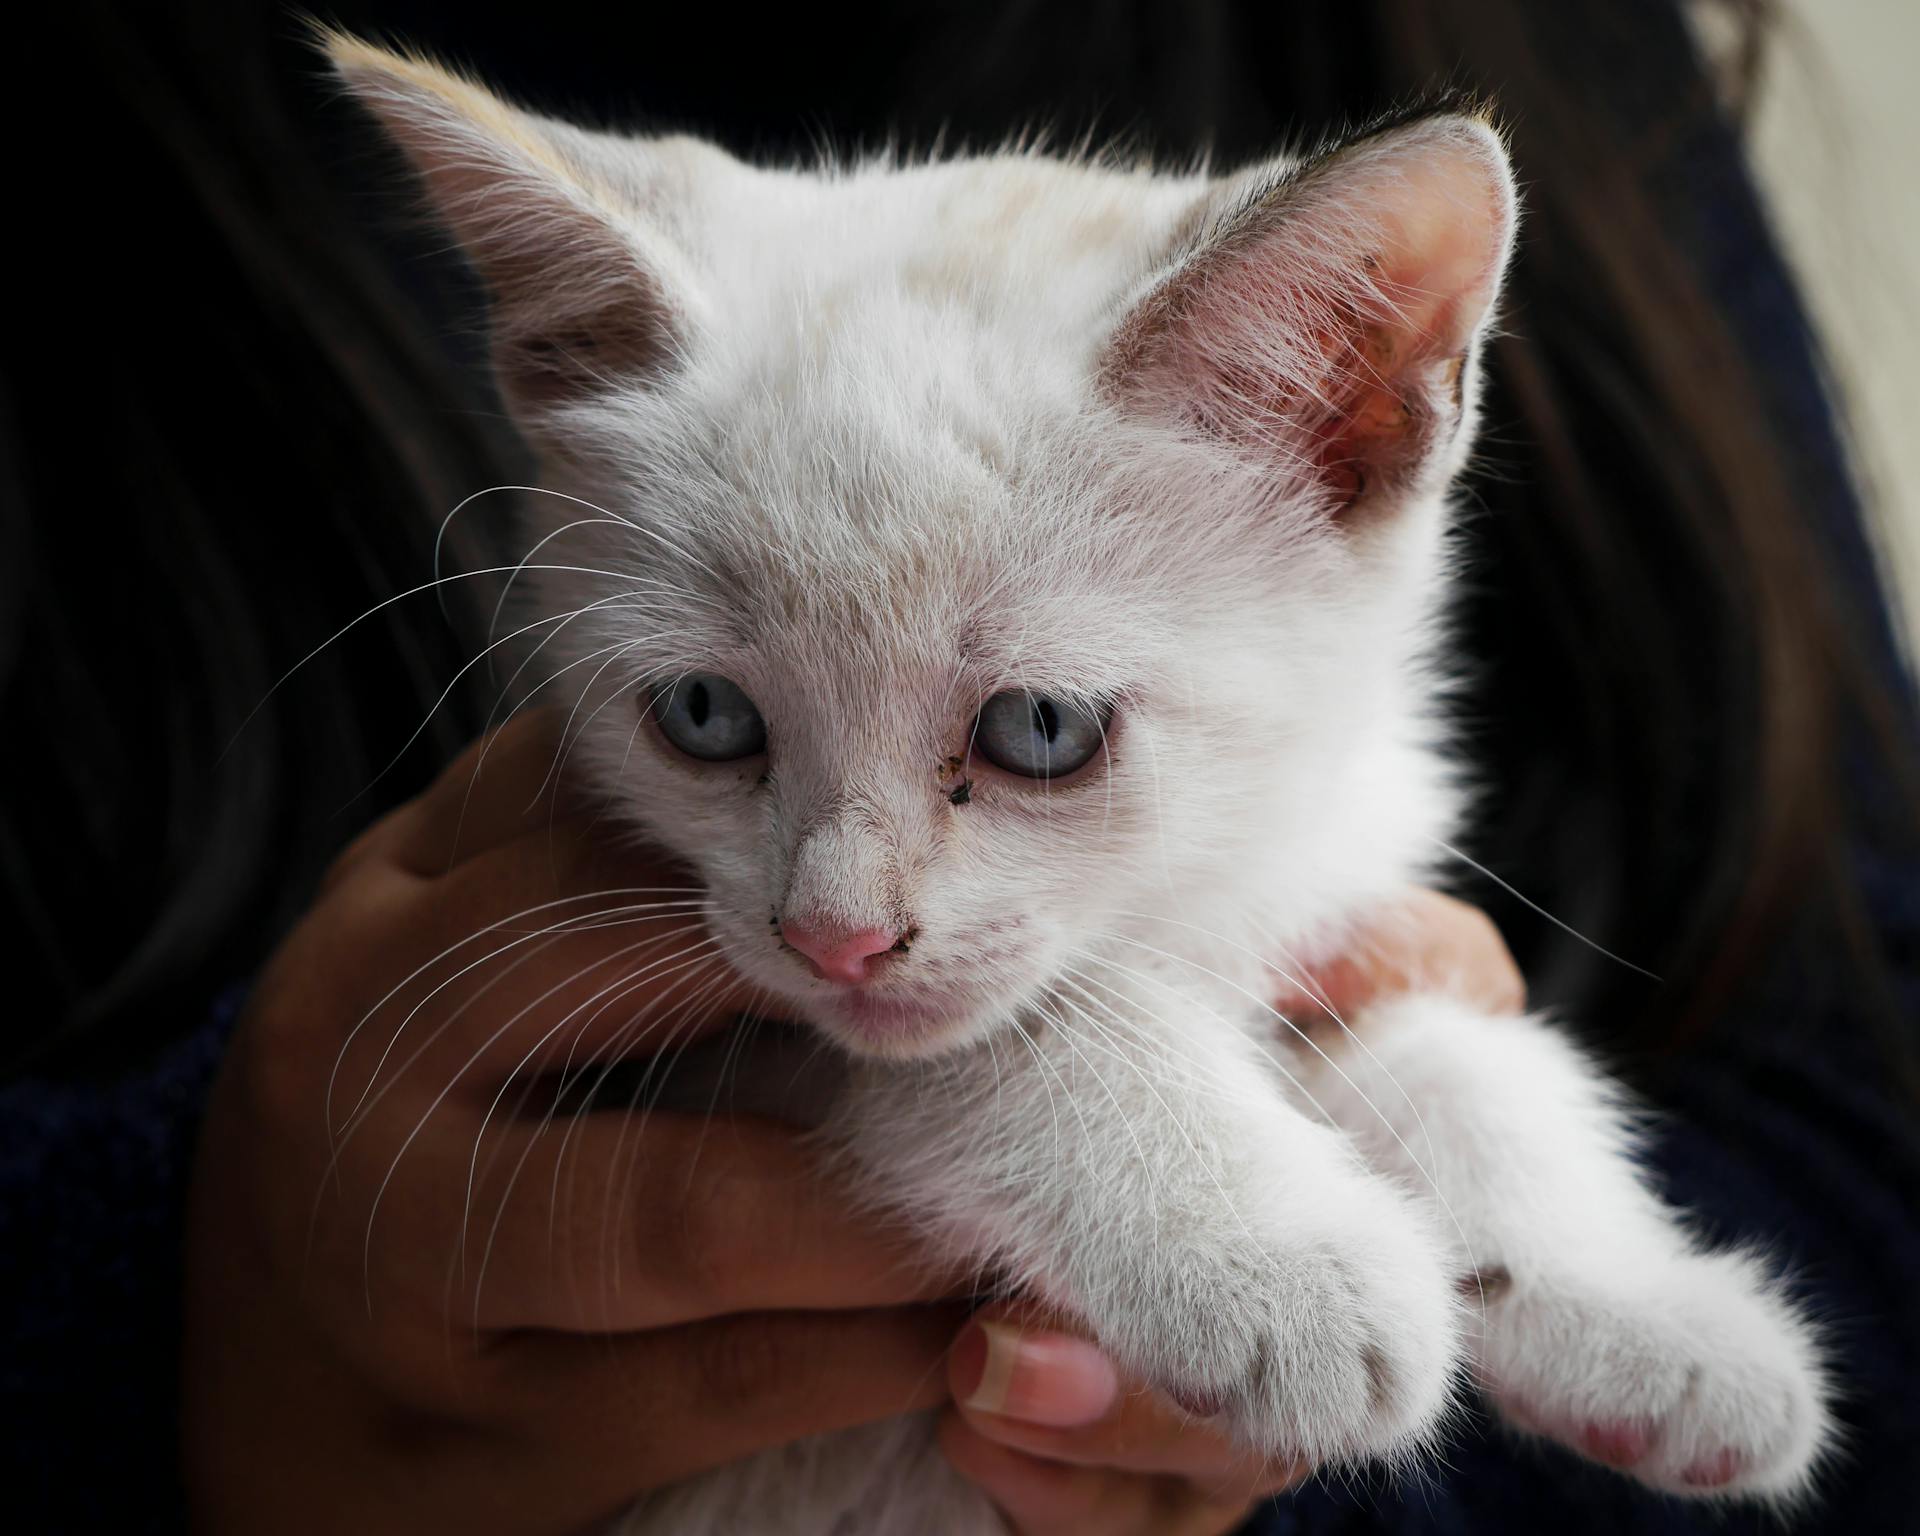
(227,436)
(1685,707)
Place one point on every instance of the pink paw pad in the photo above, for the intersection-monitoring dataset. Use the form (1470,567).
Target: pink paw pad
(1616,1444)
(1714,1471)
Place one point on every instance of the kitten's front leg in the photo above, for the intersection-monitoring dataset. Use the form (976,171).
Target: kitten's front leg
(1605,1325)
(1146,1175)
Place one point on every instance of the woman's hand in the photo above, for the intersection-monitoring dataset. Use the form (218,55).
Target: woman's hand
(424,1294)
(1423,942)
(1044,1423)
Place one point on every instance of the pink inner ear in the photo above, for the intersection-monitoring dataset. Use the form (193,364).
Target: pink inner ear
(1389,383)
(1330,329)
(550,347)
(1443,224)
(1443,227)
(1350,392)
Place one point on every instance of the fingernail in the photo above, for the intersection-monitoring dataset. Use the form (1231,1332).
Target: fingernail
(1041,1378)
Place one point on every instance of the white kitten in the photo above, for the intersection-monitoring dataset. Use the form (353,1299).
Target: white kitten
(1014,594)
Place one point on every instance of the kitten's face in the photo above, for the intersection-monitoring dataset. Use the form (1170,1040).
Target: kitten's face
(877,580)
(908,477)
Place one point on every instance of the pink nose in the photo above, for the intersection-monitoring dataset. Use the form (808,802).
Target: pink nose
(838,956)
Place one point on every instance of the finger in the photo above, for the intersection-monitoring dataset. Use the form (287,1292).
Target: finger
(500,787)
(1426,941)
(618,1416)
(1023,1381)
(544,873)
(504,785)
(541,951)
(708,1218)
(1456,948)
(607,1223)
(1044,1498)
(373,843)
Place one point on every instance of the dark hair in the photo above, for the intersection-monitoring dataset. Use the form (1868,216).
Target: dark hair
(1682,670)
(230,442)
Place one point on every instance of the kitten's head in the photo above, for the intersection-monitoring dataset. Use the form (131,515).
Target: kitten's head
(981,568)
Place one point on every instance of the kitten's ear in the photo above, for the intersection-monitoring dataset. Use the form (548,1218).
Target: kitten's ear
(1325,316)
(585,287)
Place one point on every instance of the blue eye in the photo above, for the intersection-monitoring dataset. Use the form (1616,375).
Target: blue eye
(1037,736)
(707,717)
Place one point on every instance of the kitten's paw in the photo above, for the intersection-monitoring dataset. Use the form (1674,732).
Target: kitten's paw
(1331,1335)
(1697,1376)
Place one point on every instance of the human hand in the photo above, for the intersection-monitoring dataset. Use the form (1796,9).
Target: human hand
(1424,941)
(419,1298)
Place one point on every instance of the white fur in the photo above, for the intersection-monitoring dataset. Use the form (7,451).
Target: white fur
(915,433)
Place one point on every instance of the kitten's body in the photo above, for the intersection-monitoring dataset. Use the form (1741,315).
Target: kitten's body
(877,444)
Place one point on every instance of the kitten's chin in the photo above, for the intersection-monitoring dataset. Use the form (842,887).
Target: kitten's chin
(897,1025)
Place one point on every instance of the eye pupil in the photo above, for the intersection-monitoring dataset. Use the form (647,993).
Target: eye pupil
(708,717)
(1038,736)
